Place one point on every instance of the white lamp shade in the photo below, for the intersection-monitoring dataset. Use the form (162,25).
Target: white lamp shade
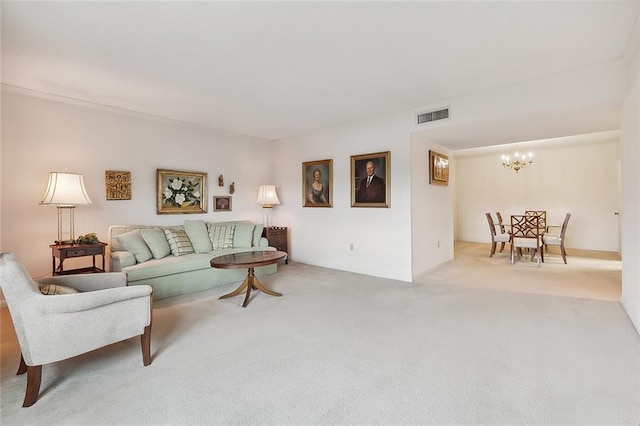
(267,196)
(66,189)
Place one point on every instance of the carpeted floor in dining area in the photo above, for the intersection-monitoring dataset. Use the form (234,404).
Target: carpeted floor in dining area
(468,343)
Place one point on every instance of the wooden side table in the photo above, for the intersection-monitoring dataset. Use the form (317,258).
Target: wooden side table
(278,238)
(66,251)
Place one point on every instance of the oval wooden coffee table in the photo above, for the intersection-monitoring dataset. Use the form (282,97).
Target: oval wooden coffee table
(249,260)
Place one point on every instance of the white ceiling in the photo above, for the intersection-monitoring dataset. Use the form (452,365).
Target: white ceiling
(278,69)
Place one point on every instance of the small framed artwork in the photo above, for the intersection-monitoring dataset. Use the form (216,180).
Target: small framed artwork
(317,183)
(438,168)
(118,185)
(222,203)
(371,180)
(181,192)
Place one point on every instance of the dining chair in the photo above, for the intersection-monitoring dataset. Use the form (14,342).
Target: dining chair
(503,227)
(495,237)
(558,239)
(542,217)
(526,233)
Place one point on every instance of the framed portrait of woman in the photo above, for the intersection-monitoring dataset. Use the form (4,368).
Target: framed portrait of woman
(317,183)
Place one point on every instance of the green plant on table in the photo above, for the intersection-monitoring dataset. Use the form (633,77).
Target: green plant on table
(91,238)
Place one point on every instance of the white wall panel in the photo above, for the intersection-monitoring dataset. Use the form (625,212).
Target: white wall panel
(41,135)
(579,179)
(381,237)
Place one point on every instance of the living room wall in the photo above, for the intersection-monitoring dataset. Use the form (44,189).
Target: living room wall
(44,135)
(630,153)
(381,237)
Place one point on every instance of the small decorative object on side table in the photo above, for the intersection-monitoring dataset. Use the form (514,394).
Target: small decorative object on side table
(277,236)
(66,251)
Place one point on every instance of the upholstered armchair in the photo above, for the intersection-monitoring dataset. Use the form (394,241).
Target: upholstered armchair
(51,328)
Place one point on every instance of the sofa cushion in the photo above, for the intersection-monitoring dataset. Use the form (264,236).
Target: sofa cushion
(197,232)
(243,235)
(221,237)
(157,242)
(133,242)
(257,235)
(178,241)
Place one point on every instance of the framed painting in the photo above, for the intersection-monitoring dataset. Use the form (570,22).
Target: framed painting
(317,183)
(118,185)
(371,180)
(181,192)
(222,203)
(438,168)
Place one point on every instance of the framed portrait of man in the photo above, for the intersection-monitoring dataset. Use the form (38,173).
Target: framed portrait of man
(371,180)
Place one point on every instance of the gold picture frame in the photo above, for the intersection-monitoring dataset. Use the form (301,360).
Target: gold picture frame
(117,185)
(180,192)
(221,203)
(438,168)
(317,183)
(377,191)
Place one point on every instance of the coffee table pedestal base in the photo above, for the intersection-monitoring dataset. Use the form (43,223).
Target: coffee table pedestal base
(251,282)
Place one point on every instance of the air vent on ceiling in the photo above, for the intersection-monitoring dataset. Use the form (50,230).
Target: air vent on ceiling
(426,117)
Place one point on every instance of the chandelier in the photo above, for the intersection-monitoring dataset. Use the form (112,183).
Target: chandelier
(519,161)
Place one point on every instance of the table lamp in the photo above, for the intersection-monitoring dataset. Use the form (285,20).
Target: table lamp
(66,190)
(268,197)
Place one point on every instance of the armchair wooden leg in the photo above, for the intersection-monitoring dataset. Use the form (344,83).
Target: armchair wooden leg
(564,254)
(501,247)
(34,377)
(493,248)
(145,340)
(22,368)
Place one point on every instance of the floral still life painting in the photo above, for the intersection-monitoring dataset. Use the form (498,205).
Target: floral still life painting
(181,192)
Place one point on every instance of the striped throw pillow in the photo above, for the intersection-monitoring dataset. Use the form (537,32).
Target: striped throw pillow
(178,242)
(49,289)
(221,236)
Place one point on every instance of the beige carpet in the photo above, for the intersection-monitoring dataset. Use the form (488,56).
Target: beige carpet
(348,349)
(587,274)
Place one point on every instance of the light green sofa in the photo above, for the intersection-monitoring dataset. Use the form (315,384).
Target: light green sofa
(172,275)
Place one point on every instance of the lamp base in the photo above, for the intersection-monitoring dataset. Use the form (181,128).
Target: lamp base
(65,242)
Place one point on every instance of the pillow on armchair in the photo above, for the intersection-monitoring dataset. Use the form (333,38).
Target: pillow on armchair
(56,289)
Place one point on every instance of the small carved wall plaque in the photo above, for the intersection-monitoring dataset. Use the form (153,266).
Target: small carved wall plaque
(118,185)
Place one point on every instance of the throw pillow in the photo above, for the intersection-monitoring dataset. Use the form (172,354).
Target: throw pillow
(157,242)
(178,241)
(133,242)
(197,232)
(257,235)
(243,236)
(49,289)
(221,236)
